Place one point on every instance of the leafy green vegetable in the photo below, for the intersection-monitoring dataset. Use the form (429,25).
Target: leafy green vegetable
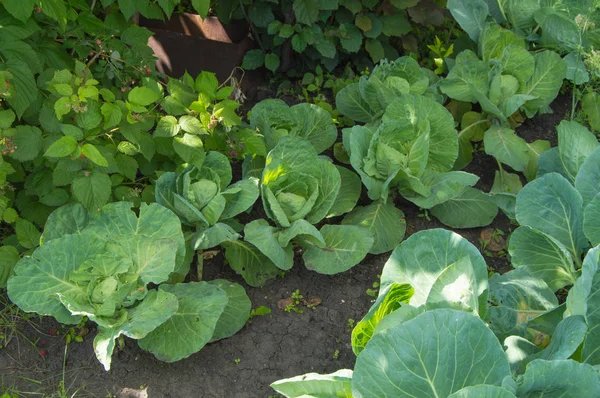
(101,264)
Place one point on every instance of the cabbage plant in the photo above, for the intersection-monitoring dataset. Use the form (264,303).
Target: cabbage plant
(111,267)
(299,189)
(440,328)
(274,119)
(412,151)
(367,100)
(507,81)
(203,197)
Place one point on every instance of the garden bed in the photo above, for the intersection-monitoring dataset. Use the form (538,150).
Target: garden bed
(270,347)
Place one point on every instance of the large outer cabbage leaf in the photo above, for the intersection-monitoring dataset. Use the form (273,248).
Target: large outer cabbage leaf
(515,298)
(338,384)
(422,259)
(200,307)
(584,299)
(39,279)
(551,205)
(433,355)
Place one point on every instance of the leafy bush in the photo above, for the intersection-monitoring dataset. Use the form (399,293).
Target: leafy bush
(331,32)
(101,265)
(438,324)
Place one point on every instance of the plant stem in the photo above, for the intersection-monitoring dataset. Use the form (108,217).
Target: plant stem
(255,33)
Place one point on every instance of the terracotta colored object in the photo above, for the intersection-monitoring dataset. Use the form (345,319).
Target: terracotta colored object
(188,43)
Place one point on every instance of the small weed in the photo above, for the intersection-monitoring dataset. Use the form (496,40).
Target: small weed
(237,361)
(424,214)
(260,311)
(296,299)
(336,354)
(375,291)
(492,243)
(350,323)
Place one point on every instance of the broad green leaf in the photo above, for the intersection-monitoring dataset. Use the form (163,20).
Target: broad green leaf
(457,284)
(587,181)
(28,142)
(470,15)
(93,154)
(20,9)
(591,221)
(200,306)
(575,145)
(191,125)
(249,262)
(548,75)
(300,229)
(567,337)
(24,84)
(586,284)
(441,187)
(9,256)
(536,149)
(66,220)
(92,190)
(542,256)
(551,205)
(135,235)
(236,312)
(315,124)
(421,258)
(547,379)
(349,194)
(350,103)
(515,298)
(253,59)
(167,126)
(190,148)
(64,146)
(240,197)
(590,103)
(389,301)
(338,384)
(345,246)
(260,234)
(494,39)
(470,209)
(213,236)
(40,277)
(142,96)
(383,220)
(7,118)
(27,234)
(518,62)
(433,355)
(112,115)
(503,144)
(153,311)
(306,11)
(576,71)
(272,62)
(482,391)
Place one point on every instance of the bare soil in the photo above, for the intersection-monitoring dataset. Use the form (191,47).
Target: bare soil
(270,347)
